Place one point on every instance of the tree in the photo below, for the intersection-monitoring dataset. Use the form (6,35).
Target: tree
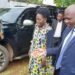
(64,3)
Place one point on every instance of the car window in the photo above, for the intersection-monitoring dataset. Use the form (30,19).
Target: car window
(4,10)
(12,15)
(28,14)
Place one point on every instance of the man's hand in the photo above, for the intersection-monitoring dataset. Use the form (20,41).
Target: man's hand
(43,61)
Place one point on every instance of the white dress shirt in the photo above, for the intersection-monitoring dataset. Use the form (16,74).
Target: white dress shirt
(58,29)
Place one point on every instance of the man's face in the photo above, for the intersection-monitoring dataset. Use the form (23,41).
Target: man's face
(60,16)
(69,19)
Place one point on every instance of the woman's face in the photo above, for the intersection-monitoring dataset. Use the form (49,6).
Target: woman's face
(40,20)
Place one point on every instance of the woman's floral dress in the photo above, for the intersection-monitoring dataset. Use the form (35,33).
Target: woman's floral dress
(39,41)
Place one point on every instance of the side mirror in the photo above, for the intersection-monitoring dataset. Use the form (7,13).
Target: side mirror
(27,22)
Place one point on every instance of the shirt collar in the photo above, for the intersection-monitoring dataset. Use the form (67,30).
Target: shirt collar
(74,29)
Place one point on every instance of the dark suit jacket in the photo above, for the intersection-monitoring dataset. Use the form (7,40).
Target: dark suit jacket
(56,40)
(49,38)
(68,61)
(54,24)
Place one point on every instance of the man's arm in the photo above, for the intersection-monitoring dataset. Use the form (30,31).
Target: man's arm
(52,51)
(49,52)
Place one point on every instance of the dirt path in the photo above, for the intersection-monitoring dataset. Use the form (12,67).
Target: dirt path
(18,67)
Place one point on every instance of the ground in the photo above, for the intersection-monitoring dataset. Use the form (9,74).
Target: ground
(18,67)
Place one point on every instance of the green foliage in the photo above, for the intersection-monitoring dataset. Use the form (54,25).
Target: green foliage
(64,3)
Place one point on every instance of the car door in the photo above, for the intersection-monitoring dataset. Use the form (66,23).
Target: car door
(24,33)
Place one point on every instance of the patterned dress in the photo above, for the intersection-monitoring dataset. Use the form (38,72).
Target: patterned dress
(39,41)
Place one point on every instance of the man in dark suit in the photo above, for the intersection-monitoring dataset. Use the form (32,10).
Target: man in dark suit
(65,63)
(58,25)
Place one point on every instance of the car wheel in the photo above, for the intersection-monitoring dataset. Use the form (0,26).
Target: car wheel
(4,58)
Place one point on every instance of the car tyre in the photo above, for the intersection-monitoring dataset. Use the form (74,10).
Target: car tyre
(4,58)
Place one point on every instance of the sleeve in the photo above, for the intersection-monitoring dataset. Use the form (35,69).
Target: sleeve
(52,51)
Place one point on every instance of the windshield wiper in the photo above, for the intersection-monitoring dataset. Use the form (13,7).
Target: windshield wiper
(5,21)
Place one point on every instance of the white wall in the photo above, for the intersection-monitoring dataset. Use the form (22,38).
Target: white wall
(11,4)
(49,2)
(4,4)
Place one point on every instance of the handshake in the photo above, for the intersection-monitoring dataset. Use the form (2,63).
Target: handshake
(38,52)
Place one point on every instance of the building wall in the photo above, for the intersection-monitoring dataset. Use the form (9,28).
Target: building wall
(10,3)
(4,3)
(49,2)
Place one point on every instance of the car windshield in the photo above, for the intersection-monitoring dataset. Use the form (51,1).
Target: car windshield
(4,10)
(12,15)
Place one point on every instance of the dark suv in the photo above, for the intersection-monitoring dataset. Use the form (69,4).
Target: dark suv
(18,26)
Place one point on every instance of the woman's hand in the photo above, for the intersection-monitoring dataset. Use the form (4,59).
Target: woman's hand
(38,52)
(29,53)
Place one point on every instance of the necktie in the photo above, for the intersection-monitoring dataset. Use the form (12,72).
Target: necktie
(63,49)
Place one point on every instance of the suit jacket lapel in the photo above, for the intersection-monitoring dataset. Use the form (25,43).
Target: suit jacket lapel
(71,42)
(63,25)
(65,33)
(55,24)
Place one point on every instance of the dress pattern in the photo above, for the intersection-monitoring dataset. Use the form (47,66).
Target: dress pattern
(39,41)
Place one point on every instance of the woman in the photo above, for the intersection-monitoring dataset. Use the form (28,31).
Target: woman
(39,41)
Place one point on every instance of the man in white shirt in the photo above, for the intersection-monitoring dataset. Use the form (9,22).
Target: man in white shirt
(58,26)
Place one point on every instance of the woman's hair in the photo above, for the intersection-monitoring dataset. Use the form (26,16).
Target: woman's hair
(44,11)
